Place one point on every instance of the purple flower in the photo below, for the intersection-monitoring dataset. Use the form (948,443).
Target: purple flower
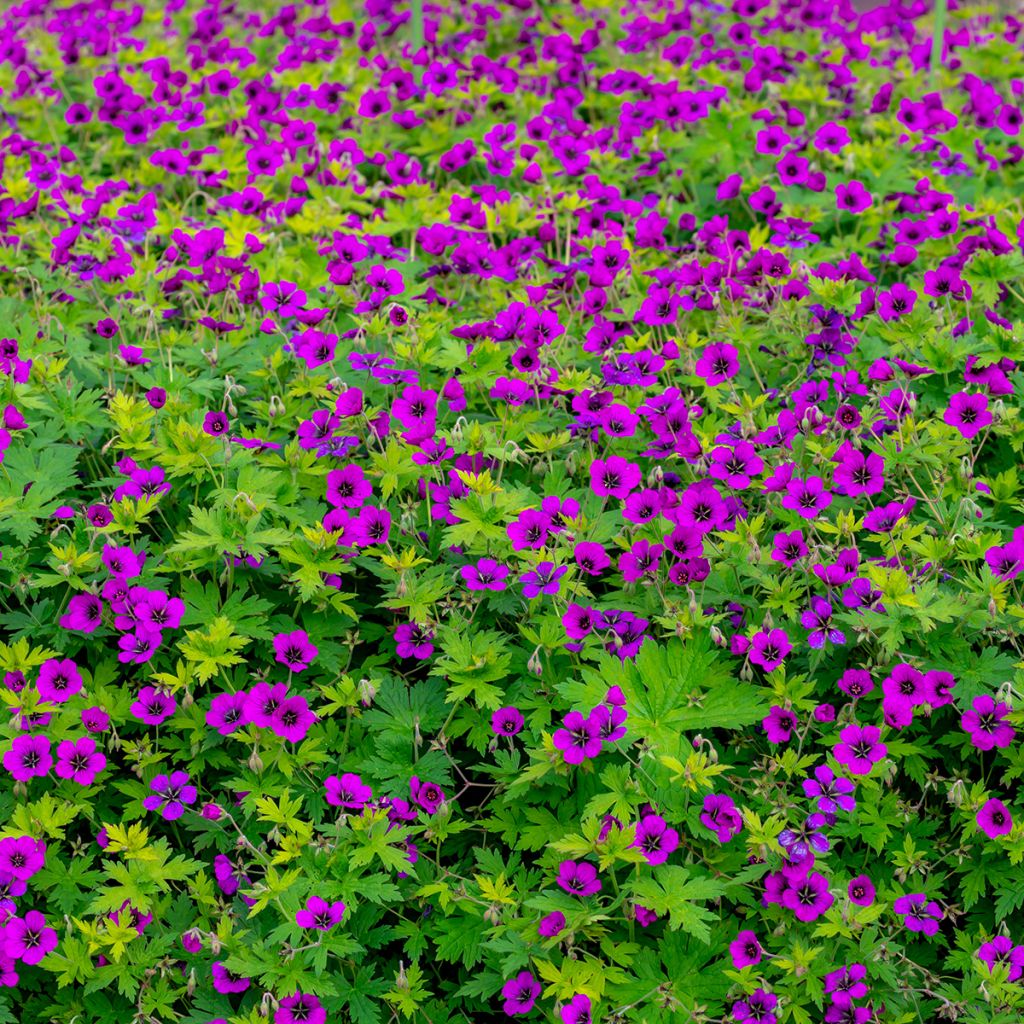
(227,712)
(215,424)
(745,950)
(807,497)
(779,724)
(520,993)
(487,574)
(769,649)
(853,197)
(833,792)
(79,760)
(861,891)
(530,530)
(655,839)
(994,819)
(756,1008)
(896,302)
(986,724)
(919,913)
(789,548)
(577,1010)
(414,641)
(153,706)
(860,748)
(170,795)
(21,856)
(542,580)
(58,680)
(614,477)
(300,1009)
(720,815)
(28,757)
(507,722)
(348,487)
(292,719)
(427,795)
(84,614)
(319,914)
(818,619)
(578,738)
(968,413)
(717,364)
(27,938)
(578,878)
(551,925)
(294,650)
(226,981)
(348,791)
(808,897)
(1002,952)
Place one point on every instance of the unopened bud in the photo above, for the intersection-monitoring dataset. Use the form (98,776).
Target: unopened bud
(255,762)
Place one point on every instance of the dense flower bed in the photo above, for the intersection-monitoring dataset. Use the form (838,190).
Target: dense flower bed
(511,510)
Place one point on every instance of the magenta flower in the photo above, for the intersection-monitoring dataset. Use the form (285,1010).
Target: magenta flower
(832,792)
(720,815)
(414,641)
(21,856)
(789,548)
(153,706)
(215,424)
(28,938)
(227,712)
(427,795)
(487,574)
(578,738)
(655,839)
(300,1009)
(551,925)
(319,914)
(852,197)
(860,748)
(292,719)
(745,950)
(1002,952)
(861,891)
(348,487)
(530,530)
(808,897)
(58,680)
(84,614)
(769,648)
(348,791)
(262,701)
(756,1008)
(779,724)
(578,878)
(807,497)
(577,1010)
(919,913)
(717,364)
(226,981)
(520,993)
(614,477)
(170,795)
(896,302)
(507,722)
(79,760)
(968,413)
(986,724)
(994,819)
(28,757)
(294,650)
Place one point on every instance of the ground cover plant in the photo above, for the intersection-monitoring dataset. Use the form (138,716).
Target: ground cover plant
(511,510)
